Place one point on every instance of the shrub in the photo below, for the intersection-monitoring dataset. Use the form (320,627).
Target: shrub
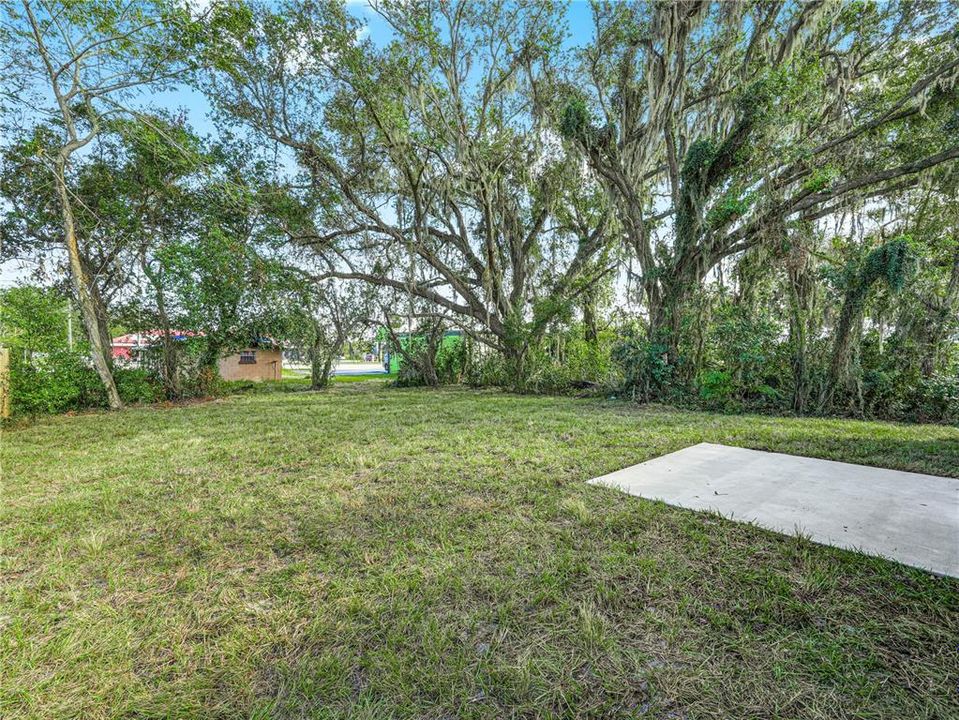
(569,363)
(744,346)
(63,381)
(646,371)
(563,362)
(55,382)
(415,362)
(715,385)
(486,369)
(448,363)
(137,386)
(938,399)
(451,360)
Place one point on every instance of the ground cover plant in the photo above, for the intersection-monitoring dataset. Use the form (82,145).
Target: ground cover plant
(368,552)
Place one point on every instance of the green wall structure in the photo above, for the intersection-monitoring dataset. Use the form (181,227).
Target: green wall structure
(450,338)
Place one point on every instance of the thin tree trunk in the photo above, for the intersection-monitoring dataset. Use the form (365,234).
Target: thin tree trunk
(798,290)
(103,317)
(169,373)
(99,343)
(171,381)
(321,365)
(81,284)
(590,331)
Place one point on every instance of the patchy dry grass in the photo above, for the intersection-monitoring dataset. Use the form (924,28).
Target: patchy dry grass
(374,553)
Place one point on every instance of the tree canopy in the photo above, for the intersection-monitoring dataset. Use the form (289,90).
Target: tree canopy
(740,202)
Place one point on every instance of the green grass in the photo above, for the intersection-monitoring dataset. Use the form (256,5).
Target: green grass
(364,377)
(291,375)
(367,552)
(294,383)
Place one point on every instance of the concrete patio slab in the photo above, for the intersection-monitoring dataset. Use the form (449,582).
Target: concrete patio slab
(908,517)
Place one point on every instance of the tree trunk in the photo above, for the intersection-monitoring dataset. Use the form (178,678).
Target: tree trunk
(103,317)
(516,363)
(798,287)
(840,366)
(171,380)
(428,359)
(321,360)
(169,370)
(671,325)
(321,365)
(92,322)
(590,331)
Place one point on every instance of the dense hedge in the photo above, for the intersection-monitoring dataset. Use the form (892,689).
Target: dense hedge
(63,381)
(745,368)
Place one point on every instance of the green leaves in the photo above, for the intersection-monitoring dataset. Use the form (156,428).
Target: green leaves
(821,178)
(729,208)
(576,121)
(699,158)
(34,319)
(890,261)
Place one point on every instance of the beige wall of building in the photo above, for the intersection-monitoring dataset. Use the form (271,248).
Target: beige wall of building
(267,365)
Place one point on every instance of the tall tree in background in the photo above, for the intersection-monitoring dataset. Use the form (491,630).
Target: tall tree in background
(131,196)
(72,67)
(714,126)
(165,164)
(435,154)
(221,273)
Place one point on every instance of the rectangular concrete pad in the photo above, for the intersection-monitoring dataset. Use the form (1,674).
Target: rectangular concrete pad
(909,517)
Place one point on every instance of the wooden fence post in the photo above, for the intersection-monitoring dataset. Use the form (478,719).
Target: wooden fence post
(4,383)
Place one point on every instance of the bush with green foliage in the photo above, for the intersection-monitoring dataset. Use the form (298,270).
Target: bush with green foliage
(570,362)
(565,361)
(56,382)
(451,360)
(893,387)
(63,381)
(743,359)
(137,385)
(936,399)
(646,371)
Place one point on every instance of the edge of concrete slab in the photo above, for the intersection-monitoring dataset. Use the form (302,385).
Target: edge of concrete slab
(626,481)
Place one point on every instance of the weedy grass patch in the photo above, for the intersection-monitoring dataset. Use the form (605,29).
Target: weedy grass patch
(368,552)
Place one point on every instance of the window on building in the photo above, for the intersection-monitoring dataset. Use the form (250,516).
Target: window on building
(248,357)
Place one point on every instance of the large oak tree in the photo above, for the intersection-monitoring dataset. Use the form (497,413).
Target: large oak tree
(434,158)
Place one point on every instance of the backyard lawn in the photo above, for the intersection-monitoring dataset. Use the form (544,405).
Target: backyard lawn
(368,552)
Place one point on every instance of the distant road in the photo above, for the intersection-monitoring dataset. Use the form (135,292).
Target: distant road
(348,367)
(344,367)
